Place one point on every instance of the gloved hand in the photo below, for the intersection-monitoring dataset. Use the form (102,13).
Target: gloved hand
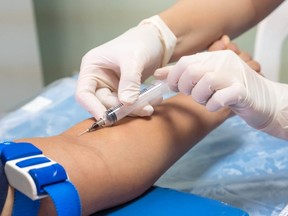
(112,72)
(221,79)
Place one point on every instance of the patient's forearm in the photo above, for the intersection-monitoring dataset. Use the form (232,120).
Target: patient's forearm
(113,165)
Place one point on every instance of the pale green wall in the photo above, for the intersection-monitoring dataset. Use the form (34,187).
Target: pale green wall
(284,68)
(246,42)
(67,29)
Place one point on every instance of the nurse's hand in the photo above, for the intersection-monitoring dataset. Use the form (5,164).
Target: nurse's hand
(112,72)
(222,79)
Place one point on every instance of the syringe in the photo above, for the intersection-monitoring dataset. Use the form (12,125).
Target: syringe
(118,112)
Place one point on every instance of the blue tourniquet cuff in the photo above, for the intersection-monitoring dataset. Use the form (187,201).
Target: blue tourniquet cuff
(34,176)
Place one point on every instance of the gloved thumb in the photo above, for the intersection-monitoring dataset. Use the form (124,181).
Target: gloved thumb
(148,109)
(130,82)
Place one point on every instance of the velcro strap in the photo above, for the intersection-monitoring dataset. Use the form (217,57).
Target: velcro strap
(34,177)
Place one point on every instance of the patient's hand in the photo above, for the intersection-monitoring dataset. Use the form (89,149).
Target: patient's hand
(225,43)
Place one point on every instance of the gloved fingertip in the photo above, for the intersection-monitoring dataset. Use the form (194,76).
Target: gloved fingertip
(96,115)
(187,93)
(211,108)
(161,73)
(128,98)
(164,74)
(96,110)
(91,104)
(146,111)
(143,111)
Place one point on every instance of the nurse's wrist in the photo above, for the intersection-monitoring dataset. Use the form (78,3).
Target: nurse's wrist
(166,36)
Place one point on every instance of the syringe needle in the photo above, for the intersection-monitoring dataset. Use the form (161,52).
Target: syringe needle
(87,130)
(94,127)
(120,111)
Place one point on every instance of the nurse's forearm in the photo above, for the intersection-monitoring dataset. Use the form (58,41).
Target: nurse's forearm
(116,164)
(198,23)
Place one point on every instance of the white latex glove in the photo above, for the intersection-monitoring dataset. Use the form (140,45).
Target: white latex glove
(221,79)
(112,72)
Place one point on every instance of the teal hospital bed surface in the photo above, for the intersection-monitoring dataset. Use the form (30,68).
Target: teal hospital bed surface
(164,202)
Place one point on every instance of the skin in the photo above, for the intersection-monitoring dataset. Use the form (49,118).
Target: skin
(197,23)
(116,164)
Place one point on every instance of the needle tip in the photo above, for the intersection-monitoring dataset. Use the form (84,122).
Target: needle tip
(83,132)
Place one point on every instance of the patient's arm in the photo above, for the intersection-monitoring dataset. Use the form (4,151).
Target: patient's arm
(116,164)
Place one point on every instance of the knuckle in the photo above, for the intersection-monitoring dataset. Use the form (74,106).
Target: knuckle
(209,77)
(184,61)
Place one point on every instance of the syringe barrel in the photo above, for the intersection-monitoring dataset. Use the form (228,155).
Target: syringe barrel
(156,90)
